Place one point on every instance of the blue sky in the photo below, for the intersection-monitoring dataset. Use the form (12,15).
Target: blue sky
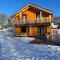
(11,6)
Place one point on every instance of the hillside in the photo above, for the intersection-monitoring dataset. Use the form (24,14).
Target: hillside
(16,48)
(56,19)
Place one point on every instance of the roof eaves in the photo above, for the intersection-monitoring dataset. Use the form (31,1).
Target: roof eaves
(49,11)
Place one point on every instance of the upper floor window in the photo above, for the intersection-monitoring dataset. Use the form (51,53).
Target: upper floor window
(37,17)
(24,17)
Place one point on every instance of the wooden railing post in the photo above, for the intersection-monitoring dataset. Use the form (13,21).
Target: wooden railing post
(50,18)
(20,17)
(40,16)
(30,29)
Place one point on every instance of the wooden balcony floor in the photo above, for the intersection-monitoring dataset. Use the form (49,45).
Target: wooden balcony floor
(34,24)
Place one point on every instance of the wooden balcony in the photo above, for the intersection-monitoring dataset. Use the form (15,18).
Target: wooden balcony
(32,23)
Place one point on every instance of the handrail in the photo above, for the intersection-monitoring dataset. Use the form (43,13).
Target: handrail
(30,21)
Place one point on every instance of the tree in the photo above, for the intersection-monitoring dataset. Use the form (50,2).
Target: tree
(2,23)
(9,23)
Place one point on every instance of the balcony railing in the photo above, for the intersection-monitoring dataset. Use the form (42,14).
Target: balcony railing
(43,20)
(31,21)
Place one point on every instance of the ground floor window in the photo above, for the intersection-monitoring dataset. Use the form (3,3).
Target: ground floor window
(23,29)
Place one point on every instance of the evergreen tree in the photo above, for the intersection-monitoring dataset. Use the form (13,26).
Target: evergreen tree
(9,23)
(2,23)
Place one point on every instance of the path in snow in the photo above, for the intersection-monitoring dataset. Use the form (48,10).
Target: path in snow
(16,48)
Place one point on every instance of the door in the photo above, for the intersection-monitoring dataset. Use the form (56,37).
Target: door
(23,30)
(41,31)
(24,18)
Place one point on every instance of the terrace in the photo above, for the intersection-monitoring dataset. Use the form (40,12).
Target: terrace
(44,21)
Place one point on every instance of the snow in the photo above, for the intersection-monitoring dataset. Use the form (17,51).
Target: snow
(16,48)
(5,29)
(54,26)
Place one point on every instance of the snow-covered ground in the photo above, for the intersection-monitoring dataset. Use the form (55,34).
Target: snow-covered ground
(16,48)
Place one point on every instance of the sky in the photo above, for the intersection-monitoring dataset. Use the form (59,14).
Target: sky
(9,7)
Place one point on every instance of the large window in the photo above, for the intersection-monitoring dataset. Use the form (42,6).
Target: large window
(38,17)
(23,29)
(24,17)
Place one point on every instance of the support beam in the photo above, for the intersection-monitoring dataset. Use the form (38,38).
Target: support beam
(24,9)
(50,18)
(30,29)
(20,17)
(40,16)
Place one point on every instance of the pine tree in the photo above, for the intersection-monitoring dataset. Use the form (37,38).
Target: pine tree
(2,23)
(9,23)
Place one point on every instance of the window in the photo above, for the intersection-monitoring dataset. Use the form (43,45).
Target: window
(23,29)
(24,17)
(38,17)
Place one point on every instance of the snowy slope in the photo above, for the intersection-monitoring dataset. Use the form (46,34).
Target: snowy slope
(16,48)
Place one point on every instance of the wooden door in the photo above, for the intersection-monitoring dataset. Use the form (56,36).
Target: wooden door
(41,31)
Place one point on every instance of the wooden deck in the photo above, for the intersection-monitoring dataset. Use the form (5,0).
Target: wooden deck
(34,24)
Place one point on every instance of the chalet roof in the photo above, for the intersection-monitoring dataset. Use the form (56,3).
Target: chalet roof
(32,5)
(37,7)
